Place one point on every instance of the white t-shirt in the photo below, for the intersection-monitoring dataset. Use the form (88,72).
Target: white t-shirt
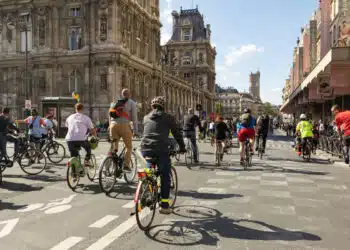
(78,127)
(211,125)
(48,125)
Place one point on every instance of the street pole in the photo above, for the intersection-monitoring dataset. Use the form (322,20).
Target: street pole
(90,61)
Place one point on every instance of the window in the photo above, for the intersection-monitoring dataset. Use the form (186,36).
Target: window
(103,28)
(187,58)
(104,85)
(187,75)
(74,81)
(75,12)
(23,41)
(200,59)
(42,83)
(186,34)
(74,38)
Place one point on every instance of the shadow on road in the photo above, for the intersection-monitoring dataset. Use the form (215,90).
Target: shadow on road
(10,206)
(207,231)
(44,178)
(299,160)
(208,196)
(122,192)
(91,188)
(13,186)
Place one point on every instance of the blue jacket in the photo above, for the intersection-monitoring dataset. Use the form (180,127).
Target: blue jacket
(240,126)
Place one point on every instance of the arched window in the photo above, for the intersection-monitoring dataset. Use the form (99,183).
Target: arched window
(74,38)
(74,81)
(200,59)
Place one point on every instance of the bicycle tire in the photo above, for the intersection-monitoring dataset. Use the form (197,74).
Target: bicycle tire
(133,165)
(246,162)
(92,169)
(32,155)
(56,146)
(113,175)
(72,173)
(138,205)
(173,179)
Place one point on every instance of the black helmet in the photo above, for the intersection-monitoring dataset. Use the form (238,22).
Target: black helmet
(246,110)
(34,112)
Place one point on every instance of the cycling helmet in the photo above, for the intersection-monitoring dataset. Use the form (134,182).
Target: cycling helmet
(93,141)
(303,116)
(34,112)
(158,101)
(246,110)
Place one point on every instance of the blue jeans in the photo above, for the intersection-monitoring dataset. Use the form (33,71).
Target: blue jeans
(192,136)
(164,164)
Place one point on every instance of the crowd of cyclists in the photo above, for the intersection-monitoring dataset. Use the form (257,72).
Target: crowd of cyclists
(158,129)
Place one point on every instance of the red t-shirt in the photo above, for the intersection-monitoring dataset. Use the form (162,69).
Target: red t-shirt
(342,120)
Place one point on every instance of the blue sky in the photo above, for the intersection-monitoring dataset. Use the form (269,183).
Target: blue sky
(249,35)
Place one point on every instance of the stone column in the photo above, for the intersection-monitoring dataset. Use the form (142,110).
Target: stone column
(54,29)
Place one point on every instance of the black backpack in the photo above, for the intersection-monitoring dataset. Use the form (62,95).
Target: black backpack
(117,108)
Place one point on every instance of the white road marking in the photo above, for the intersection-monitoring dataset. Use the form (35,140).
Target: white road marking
(9,226)
(130,204)
(227,173)
(67,243)
(30,207)
(58,209)
(212,190)
(104,221)
(217,181)
(116,233)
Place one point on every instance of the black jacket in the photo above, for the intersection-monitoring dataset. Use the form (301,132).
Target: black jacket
(157,125)
(263,124)
(190,123)
(220,130)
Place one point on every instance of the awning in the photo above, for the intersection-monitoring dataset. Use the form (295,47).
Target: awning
(284,105)
(318,69)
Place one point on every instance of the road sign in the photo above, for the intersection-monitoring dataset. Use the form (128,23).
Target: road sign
(28,104)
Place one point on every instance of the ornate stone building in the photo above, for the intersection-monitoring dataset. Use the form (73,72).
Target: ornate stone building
(192,58)
(254,84)
(94,47)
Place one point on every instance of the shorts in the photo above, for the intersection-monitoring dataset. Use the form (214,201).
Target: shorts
(245,133)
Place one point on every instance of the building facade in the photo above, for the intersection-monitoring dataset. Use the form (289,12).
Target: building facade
(254,84)
(191,57)
(320,74)
(95,47)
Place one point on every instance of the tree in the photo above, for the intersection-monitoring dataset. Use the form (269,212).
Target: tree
(269,109)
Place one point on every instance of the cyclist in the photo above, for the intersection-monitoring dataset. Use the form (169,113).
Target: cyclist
(47,129)
(5,125)
(316,136)
(342,122)
(34,123)
(221,132)
(304,133)
(245,130)
(262,130)
(154,143)
(122,112)
(79,126)
(190,122)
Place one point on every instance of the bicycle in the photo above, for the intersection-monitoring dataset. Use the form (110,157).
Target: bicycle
(307,149)
(189,152)
(219,152)
(112,168)
(51,148)
(148,192)
(26,157)
(75,170)
(247,154)
(260,147)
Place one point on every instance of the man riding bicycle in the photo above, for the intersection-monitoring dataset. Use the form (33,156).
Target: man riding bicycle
(221,133)
(342,122)
(154,143)
(190,122)
(262,129)
(245,130)
(304,133)
(122,112)
(79,126)
(5,126)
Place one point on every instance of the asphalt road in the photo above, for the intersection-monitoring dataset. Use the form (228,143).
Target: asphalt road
(280,203)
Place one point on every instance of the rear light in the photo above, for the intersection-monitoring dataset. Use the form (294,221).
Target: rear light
(68,164)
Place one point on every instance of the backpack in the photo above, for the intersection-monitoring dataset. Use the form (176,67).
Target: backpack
(246,120)
(117,109)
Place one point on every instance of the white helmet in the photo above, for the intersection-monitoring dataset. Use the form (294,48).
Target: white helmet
(303,116)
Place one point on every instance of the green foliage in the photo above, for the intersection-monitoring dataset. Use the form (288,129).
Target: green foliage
(269,109)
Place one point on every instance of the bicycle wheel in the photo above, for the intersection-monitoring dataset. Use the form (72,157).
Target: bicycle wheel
(107,174)
(32,162)
(56,152)
(173,187)
(260,151)
(145,203)
(73,176)
(129,177)
(92,168)
(247,156)
(217,155)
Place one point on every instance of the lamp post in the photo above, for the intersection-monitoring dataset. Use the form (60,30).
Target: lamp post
(90,57)
(164,60)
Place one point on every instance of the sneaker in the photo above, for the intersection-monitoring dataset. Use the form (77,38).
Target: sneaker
(163,210)
(346,160)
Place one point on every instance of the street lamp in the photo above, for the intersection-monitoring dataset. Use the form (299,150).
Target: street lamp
(164,60)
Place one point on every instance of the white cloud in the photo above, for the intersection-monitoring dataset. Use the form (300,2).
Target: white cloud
(236,53)
(167,20)
(165,37)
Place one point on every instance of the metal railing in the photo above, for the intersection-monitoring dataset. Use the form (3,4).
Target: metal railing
(331,144)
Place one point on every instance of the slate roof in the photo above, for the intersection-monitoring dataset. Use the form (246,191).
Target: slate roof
(196,21)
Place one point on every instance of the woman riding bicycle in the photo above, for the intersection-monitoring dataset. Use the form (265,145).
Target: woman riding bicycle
(221,133)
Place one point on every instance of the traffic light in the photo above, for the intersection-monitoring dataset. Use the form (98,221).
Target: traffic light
(199,107)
